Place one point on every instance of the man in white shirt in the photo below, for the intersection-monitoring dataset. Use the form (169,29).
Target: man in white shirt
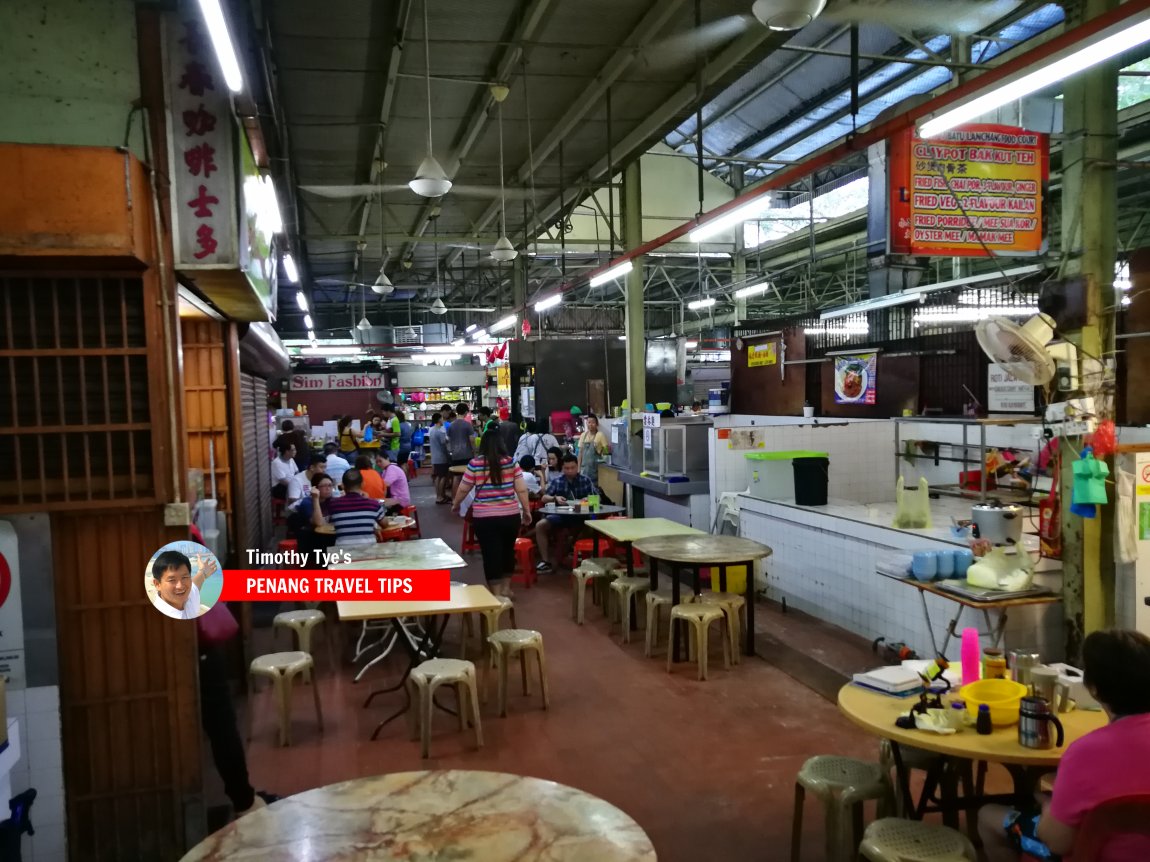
(335,466)
(177,590)
(283,469)
(299,487)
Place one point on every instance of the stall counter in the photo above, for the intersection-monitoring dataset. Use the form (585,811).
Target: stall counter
(687,503)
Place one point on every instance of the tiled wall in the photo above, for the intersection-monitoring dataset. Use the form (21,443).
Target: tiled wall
(861,455)
(40,766)
(825,566)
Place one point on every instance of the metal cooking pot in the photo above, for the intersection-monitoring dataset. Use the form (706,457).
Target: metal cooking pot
(999,524)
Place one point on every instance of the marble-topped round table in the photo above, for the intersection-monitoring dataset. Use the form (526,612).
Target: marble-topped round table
(439,816)
(706,551)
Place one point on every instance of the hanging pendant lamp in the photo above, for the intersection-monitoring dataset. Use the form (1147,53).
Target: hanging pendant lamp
(504,251)
(430,179)
(438,307)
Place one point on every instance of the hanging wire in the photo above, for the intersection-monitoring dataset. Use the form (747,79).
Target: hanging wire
(502,196)
(427,72)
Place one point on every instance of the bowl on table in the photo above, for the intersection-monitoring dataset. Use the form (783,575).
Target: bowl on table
(1003,696)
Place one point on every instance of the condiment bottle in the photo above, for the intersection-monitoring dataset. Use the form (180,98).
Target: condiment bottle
(993,664)
(982,723)
(957,714)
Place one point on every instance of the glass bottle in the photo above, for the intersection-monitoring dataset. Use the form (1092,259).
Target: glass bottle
(982,724)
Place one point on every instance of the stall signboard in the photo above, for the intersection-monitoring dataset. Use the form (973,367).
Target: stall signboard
(762,354)
(202,141)
(855,376)
(975,191)
(503,380)
(339,380)
(1006,394)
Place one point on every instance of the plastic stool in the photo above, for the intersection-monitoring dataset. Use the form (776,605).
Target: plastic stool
(733,606)
(423,682)
(281,668)
(895,840)
(656,599)
(278,512)
(625,589)
(286,545)
(587,572)
(470,543)
(843,784)
(504,645)
(524,563)
(412,532)
(700,617)
(302,622)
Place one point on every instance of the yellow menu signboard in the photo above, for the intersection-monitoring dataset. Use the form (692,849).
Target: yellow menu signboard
(761,354)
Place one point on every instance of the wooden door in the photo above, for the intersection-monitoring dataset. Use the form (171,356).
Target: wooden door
(597,397)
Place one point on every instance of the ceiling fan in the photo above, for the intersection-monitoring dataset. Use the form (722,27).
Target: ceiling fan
(939,16)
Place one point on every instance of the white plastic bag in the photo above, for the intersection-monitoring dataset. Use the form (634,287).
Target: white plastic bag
(912,507)
(1125,524)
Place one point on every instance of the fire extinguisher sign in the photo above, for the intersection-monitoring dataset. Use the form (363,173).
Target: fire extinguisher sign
(11,610)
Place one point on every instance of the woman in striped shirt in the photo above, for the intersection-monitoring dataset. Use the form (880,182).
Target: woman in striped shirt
(499,508)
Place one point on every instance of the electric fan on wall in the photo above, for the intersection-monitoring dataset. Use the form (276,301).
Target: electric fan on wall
(1025,352)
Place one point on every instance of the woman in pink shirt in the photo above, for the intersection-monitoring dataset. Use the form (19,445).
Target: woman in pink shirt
(1109,763)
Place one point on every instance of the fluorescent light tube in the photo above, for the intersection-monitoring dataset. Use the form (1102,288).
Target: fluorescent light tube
(871,304)
(498,325)
(753,290)
(691,345)
(471,328)
(1108,43)
(747,212)
(301,300)
(549,302)
(290,269)
(611,274)
(480,335)
(310,335)
(701,303)
(442,348)
(307,324)
(459,342)
(331,351)
(622,337)
(222,43)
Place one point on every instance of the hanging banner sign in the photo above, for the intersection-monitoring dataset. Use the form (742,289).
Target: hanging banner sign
(503,380)
(974,191)
(855,378)
(762,354)
(345,380)
(1006,394)
(202,149)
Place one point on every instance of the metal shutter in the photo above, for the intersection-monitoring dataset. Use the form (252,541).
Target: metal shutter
(257,466)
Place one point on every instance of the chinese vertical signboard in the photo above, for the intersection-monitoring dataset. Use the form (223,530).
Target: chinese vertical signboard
(202,141)
(855,378)
(973,191)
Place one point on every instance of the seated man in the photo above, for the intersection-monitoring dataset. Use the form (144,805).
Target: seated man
(354,515)
(530,477)
(1108,763)
(299,487)
(372,482)
(571,485)
(283,469)
(335,465)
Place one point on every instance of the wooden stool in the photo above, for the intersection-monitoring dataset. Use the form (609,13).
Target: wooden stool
(843,784)
(895,840)
(504,645)
(423,682)
(588,571)
(700,617)
(524,563)
(302,622)
(281,668)
(733,606)
(656,599)
(625,589)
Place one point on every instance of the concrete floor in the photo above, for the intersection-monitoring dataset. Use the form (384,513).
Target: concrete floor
(707,769)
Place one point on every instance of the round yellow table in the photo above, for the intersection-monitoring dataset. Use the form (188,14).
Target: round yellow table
(876,713)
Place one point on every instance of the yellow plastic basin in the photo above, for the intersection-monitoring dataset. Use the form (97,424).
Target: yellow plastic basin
(1003,696)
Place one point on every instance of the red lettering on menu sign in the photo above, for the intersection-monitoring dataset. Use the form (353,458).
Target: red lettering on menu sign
(201,159)
(199,122)
(201,203)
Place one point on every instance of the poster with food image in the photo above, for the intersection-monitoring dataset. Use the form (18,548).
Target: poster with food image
(855,378)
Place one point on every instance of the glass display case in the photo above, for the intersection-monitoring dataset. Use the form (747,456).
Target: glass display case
(676,447)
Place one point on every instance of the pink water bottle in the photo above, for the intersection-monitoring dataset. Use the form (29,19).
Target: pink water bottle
(971,665)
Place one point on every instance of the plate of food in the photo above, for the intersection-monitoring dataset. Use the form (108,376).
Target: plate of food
(851,382)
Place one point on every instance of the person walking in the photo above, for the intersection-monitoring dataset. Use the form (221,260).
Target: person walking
(440,460)
(499,507)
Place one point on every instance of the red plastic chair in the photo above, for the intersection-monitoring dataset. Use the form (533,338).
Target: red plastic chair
(470,543)
(524,563)
(1127,815)
(286,545)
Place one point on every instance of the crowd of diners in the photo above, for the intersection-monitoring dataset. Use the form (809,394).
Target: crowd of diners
(506,469)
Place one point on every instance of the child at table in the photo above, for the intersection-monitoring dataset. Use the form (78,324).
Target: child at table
(1106,764)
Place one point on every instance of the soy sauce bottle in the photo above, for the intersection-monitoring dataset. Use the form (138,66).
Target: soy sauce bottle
(982,723)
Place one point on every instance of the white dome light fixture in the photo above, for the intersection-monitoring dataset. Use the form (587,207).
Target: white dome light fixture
(504,251)
(383,285)
(438,307)
(430,179)
(363,325)
(787,14)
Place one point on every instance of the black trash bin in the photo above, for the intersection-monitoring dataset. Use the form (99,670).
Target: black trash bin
(811,476)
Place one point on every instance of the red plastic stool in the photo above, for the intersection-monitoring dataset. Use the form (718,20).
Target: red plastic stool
(278,512)
(413,531)
(470,543)
(288,545)
(524,563)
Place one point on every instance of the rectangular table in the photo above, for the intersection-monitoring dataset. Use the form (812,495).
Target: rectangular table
(628,530)
(412,554)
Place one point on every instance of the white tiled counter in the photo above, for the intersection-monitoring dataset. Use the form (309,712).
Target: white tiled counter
(824,564)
